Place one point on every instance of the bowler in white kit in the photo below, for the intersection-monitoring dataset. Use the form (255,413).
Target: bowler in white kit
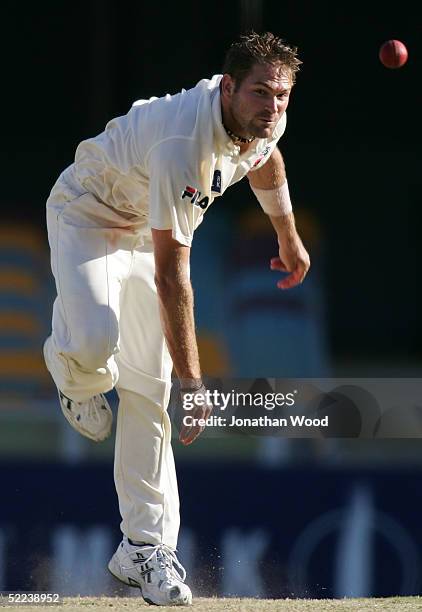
(121,220)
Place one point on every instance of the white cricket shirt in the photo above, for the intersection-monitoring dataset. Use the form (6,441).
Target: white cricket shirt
(166,160)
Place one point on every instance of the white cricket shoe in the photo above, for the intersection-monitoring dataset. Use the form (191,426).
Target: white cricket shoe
(155,570)
(92,418)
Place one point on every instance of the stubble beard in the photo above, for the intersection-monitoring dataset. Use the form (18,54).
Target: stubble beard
(260,132)
(249,128)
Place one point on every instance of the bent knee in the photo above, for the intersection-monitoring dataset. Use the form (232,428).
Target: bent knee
(93,350)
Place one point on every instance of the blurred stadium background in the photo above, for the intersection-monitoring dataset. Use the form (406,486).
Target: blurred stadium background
(261,517)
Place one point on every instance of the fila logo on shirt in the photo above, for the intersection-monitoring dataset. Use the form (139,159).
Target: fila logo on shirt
(195,197)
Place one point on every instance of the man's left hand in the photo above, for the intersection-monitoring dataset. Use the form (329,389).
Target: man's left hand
(293,258)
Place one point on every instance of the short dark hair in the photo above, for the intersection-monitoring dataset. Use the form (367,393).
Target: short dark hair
(253,48)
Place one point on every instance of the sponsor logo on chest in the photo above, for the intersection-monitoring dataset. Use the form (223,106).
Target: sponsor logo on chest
(195,197)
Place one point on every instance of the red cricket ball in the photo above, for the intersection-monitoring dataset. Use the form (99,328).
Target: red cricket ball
(393,54)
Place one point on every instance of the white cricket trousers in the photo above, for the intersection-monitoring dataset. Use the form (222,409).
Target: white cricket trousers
(106,332)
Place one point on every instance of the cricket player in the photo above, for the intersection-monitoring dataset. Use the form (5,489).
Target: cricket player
(121,220)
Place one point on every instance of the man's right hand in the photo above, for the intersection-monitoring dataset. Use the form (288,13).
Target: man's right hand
(196,409)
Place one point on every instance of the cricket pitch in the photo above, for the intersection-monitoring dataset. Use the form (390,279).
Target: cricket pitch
(205,604)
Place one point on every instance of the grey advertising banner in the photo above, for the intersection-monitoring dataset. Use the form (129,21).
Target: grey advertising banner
(304,408)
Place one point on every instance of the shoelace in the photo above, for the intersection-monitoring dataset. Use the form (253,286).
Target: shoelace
(93,411)
(169,564)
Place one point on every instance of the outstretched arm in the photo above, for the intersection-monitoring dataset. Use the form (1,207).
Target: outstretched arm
(270,186)
(176,303)
(175,298)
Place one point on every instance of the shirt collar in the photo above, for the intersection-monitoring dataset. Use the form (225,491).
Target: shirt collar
(222,139)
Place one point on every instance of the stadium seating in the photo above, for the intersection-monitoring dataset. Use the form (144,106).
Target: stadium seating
(26,294)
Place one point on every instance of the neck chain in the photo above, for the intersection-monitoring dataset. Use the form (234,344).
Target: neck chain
(237,138)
